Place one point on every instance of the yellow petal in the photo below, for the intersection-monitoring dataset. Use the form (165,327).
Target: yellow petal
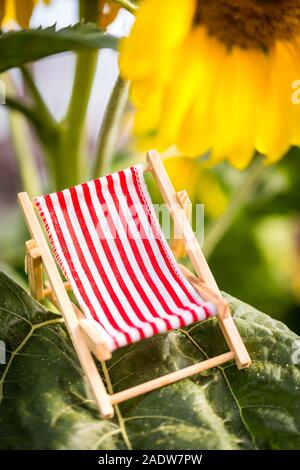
(294,50)
(147,116)
(211,194)
(23,12)
(20,11)
(240,87)
(180,91)
(241,156)
(274,129)
(234,113)
(141,90)
(9,10)
(158,29)
(2,2)
(200,183)
(196,133)
(183,172)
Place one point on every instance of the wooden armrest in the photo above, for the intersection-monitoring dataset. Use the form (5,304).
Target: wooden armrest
(92,336)
(223,309)
(94,339)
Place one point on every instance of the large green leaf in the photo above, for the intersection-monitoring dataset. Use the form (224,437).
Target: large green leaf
(19,47)
(45,404)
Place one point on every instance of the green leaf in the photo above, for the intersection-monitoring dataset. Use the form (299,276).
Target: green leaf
(45,404)
(19,47)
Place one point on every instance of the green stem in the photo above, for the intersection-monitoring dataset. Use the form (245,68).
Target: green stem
(70,157)
(21,140)
(239,200)
(48,132)
(128,5)
(42,121)
(88,10)
(22,108)
(26,161)
(110,127)
(39,102)
(46,129)
(72,161)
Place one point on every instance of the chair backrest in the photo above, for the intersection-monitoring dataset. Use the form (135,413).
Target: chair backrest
(107,240)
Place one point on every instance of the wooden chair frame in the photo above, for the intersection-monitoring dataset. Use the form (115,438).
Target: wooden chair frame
(88,340)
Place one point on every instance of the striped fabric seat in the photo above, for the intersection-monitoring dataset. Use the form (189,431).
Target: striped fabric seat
(107,240)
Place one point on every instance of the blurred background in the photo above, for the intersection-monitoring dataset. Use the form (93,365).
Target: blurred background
(258,257)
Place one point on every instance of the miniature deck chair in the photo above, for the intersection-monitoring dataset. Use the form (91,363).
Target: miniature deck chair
(122,272)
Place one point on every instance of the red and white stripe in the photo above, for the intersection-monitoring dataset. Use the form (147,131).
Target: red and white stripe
(109,245)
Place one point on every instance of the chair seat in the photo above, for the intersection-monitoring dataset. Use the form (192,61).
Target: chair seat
(108,242)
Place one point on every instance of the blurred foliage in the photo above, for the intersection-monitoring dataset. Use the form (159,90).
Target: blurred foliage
(258,259)
(202,183)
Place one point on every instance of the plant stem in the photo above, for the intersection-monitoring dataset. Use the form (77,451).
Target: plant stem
(240,198)
(88,10)
(128,5)
(110,127)
(17,105)
(26,161)
(49,133)
(20,138)
(38,114)
(39,102)
(70,158)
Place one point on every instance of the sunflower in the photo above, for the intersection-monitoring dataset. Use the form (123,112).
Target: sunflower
(21,11)
(216,76)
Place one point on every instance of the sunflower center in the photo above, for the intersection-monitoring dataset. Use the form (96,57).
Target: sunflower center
(249,23)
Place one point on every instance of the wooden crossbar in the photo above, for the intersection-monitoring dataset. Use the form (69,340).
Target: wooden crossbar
(171,378)
(85,338)
(178,246)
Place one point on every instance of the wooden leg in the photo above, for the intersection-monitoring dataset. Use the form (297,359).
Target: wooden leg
(97,387)
(234,341)
(178,246)
(34,269)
